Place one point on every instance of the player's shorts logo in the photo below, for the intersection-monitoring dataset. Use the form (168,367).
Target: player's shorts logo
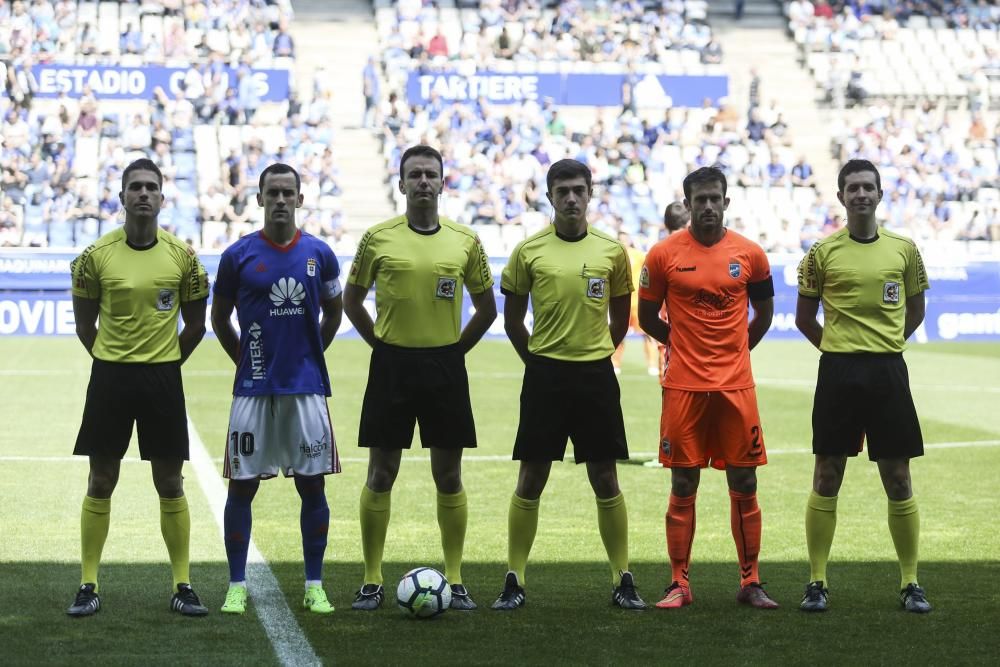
(734,270)
(314,449)
(665,447)
(595,288)
(644,277)
(165,300)
(310,267)
(890,293)
(446,288)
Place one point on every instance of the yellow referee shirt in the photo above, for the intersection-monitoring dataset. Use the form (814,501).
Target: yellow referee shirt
(570,282)
(419,279)
(140,292)
(863,286)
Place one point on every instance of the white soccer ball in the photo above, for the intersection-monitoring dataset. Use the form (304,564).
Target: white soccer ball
(423,592)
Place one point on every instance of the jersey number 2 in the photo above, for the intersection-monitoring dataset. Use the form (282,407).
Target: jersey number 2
(242,443)
(755,440)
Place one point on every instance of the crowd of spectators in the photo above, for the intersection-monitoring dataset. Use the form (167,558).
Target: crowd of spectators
(888,48)
(419,34)
(939,169)
(61,159)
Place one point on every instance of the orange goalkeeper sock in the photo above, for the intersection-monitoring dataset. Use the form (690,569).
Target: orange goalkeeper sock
(744,516)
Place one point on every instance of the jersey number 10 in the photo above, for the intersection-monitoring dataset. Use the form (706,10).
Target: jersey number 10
(242,443)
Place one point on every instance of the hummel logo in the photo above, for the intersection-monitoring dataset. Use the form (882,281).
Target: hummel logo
(260,268)
(684,269)
(287,289)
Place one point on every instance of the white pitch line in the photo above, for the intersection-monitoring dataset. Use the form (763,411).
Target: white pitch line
(290,644)
(468,459)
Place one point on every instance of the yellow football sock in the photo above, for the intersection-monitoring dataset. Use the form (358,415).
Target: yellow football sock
(375,510)
(522,524)
(95,519)
(612,521)
(452,516)
(175,525)
(821,523)
(904,526)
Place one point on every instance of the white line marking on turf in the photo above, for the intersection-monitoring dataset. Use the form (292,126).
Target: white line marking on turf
(290,644)
(468,459)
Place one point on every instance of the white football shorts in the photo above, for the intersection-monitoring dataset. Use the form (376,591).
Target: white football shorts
(287,433)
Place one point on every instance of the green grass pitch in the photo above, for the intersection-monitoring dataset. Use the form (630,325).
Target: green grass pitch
(568,617)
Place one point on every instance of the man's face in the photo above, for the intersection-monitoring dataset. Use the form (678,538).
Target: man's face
(141,195)
(707,206)
(570,197)
(421,181)
(860,194)
(279,199)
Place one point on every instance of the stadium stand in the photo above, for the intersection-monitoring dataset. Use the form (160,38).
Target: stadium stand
(210,130)
(919,85)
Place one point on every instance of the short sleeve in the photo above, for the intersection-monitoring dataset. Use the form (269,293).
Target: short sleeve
(363,266)
(811,274)
(760,268)
(515,278)
(227,277)
(915,275)
(329,272)
(86,282)
(194,286)
(653,277)
(478,276)
(621,273)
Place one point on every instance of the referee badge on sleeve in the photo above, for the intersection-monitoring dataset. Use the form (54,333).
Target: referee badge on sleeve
(644,277)
(595,288)
(446,288)
(890,293)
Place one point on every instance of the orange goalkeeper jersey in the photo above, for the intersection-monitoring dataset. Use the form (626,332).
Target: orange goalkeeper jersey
(707,291)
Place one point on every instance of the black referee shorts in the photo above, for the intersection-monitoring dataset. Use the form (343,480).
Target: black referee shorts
(862,396)
(409,386)
(570,400)
(120,395)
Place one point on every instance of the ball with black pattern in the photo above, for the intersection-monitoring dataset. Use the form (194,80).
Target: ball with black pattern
(423,592)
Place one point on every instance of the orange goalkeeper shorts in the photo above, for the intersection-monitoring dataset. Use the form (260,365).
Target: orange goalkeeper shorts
(716,428)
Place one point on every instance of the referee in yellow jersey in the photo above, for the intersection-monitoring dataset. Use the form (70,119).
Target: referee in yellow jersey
(420,264)
(135,281)
(576,277)
(871,283)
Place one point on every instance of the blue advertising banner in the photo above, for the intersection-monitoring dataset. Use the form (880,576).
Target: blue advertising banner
(573,89)
(962,304)
(138,83)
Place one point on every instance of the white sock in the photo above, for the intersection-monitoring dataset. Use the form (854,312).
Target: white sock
(315,582)
(241,584)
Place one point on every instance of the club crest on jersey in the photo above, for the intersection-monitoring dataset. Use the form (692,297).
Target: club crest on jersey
(890,293)
(595,288)
(734,270)
(446,288)
(644,277)
(310,267)
(165,300)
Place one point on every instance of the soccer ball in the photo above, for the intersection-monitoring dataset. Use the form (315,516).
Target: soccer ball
(423,592)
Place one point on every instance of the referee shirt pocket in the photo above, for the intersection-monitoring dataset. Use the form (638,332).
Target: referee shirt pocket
(395,278)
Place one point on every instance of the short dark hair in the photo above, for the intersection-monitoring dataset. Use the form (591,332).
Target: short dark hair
(674,221)
(853,167)
(420,149)
(565,169)
(701,176)
(279,168)
(142,164)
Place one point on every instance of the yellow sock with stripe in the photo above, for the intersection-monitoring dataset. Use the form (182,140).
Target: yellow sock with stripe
(175,525)
(821,524)
(375,511)
(522,524)
(95,519)
(612,521)
(452,516)
(904,526)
